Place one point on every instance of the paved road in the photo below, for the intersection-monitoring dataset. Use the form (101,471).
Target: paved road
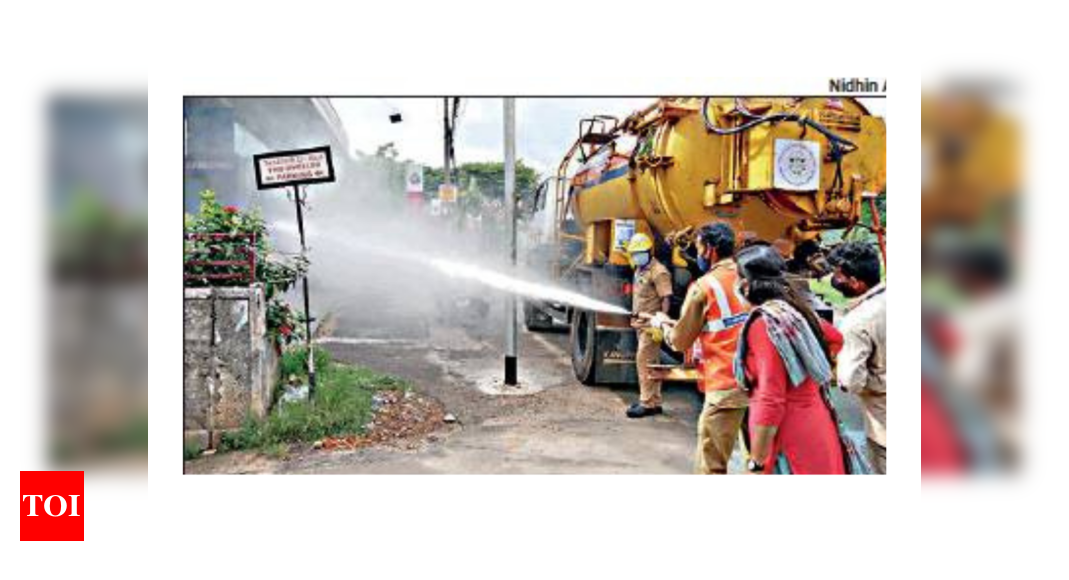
(550,424)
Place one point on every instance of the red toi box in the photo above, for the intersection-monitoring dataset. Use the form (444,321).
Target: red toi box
(52,506)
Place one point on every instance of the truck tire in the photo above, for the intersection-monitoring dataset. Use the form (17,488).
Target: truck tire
(583,342)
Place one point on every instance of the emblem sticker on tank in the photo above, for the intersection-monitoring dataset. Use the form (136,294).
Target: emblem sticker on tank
(622,232)
(797,165)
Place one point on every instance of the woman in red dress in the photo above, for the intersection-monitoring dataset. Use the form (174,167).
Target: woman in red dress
(784,363)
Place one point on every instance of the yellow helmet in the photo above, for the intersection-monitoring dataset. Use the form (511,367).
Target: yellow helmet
(639,243)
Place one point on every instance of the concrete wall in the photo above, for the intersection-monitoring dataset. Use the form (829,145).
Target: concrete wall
(229,367)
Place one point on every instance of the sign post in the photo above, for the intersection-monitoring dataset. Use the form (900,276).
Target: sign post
(414,179)
(447,192)
(414,186)
(292,169)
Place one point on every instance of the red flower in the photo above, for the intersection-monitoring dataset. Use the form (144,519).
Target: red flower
(285,330)
(230,209)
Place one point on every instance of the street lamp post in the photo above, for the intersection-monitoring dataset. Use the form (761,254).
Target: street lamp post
(510,219)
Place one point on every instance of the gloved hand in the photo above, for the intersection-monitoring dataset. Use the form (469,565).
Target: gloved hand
(655,334)
(659,320)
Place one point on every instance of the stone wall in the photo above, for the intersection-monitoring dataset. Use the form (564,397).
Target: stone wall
(229,366)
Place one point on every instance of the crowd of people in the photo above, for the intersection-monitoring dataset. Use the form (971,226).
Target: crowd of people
(767,361)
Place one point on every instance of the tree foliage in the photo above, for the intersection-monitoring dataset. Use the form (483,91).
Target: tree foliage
(488,177)
(484,180)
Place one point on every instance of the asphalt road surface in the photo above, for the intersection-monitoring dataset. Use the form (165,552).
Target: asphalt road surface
(451,349)
(549,423)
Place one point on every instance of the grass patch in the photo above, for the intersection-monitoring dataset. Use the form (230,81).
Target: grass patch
(341,406)
(277,451)
(294,361)
(191,450)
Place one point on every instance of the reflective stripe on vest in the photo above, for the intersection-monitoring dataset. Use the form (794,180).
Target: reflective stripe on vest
(725,314)
(721,296)
(728,317)
(724,323)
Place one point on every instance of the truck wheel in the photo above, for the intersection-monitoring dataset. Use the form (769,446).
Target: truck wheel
(583,340)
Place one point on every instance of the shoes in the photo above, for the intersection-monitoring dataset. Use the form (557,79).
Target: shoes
(638,410)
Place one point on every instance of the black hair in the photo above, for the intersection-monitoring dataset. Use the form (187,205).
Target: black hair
(803,252)
(763,269)
(982,263)
(859,260)
(720,237)
(806,249)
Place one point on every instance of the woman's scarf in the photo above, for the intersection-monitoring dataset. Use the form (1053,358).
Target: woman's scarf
(794,341)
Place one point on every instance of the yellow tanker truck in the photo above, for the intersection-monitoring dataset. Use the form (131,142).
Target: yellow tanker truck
(777,169)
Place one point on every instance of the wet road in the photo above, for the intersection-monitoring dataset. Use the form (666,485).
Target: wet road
(550,423)
(451,348)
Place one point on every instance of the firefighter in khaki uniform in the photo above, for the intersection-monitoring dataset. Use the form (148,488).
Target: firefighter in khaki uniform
(713,313)
(651,292)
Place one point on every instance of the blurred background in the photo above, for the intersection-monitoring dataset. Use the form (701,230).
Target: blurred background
(972,204)
(97,351)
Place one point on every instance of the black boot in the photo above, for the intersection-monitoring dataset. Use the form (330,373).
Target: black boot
(638,410)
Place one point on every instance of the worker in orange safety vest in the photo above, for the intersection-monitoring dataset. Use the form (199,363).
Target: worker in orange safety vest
(713,314)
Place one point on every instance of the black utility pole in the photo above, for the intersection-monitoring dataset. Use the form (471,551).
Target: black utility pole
(447,142)
(293,168)
(449,126)
(307,309)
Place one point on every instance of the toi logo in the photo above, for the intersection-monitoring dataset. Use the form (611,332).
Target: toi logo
(52,506)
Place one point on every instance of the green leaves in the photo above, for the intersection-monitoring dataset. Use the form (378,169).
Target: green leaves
(283,324)
(489,177)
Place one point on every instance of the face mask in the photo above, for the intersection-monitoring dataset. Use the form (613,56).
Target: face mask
(703,263)
(640,259)
(843,287)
